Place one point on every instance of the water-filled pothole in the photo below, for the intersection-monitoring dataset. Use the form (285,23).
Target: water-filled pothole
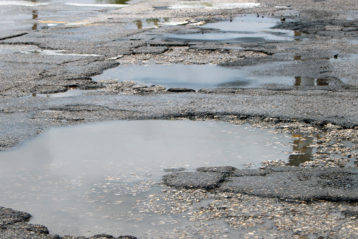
(68,93)
(250,28)
(83,3)
(192,76)
(148,23)
(21,15)
(212,5)
(87,179)
(97,3)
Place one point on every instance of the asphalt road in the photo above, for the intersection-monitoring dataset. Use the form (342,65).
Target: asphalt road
(49,48)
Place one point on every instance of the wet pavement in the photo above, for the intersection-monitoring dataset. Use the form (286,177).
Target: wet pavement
(295,72)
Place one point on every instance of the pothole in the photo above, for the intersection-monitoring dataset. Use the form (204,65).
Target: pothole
(98,3)
(212,5)
(148,23)
(18,16)
(87,179)
(68,93)
(191,76)
(249,28)
(57,53)
(210,76)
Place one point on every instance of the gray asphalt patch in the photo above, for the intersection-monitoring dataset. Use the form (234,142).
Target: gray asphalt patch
(283,183)
(194,180)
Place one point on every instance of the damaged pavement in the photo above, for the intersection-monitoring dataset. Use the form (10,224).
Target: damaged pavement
(38,67)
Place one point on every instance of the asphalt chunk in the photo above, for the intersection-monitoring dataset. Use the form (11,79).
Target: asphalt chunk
(203,180)
(10,216)
(306,185)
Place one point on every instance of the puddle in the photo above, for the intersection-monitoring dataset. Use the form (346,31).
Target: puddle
(78,3)
(318,82)
(30,49)
(157,22)
(88,179)
(23,3)
(212,5)
(250,28)
(57,53)
(68,93)
(302,150)
(209,76)
(190,76)
(99,3)
(18,16)
(148,23)
(344,67)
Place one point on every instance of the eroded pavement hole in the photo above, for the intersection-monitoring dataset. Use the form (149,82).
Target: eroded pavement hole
(19,15)
(193,76)
(249,28)
(90,179)
(210,76)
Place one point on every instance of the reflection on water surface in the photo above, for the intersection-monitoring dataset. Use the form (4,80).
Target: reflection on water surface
(191,76)
(88,179)
(302,150)
(250,28)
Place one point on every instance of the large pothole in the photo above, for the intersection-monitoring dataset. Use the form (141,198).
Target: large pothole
(88,179)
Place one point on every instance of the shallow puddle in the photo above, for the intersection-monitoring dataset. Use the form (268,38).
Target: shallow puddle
(57,53)
(37,3)
(191,76)
(97,3)
(212,5)
(88,179)
(250,28)
(148,23)
(302,150)
(68,93)
(18,16)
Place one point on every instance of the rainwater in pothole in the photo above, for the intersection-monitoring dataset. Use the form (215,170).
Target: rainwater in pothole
(68,93)
(249,28)
(345,67)
(198,4)
(148,23)
(24,16)
(89,179)
(192,76)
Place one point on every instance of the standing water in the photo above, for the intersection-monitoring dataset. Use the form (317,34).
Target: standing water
(250,28)
(20,16)
(88,179)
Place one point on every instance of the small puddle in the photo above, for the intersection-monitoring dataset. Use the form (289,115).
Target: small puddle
(302,150)
(35,15)
(250,28)
(57,53)
(98,3)
(68,93)
(78,3)
(34,3)
(148,23)
(87,179)
(345,66)
(212,5)
(190,76)
(310,82)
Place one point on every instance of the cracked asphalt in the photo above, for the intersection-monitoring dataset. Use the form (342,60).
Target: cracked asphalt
(39,64)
